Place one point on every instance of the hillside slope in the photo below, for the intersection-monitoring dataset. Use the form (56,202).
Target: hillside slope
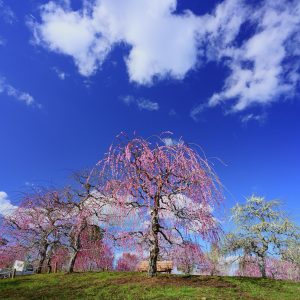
(119,286)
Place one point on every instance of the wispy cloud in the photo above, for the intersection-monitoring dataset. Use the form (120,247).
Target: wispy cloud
(141,103)
(6,13)
(263,66)
(173,113)
(170,141)
(197,110)
(60,74)
(260,118)
(2,41)
(6,207)
(11,91)
(259,70)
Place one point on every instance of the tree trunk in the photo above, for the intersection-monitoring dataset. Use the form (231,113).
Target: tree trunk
(49,259)
(154,249)
(55,267)
(42,257)
(262,267)
(75,246)
(49,265)
(72,261)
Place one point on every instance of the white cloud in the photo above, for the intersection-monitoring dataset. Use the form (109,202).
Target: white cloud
(11,91)
(146,104)
(197,110)
(7,14)
(141,103)
(61,75)
(259,73)
(263,65)
(266,66)
(6,207)
(149,27)
(171,142)
(253,117)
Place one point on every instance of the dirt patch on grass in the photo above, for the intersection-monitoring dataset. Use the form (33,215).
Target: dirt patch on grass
(171,280)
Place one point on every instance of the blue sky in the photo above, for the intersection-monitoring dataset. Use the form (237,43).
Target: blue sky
(221,74)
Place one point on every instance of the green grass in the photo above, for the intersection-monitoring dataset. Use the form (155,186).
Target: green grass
(137,286)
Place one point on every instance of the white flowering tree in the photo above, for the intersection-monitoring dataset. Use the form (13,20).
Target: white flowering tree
(263,229)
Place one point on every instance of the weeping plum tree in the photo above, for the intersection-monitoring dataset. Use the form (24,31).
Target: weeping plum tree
(169,190)
(262,229)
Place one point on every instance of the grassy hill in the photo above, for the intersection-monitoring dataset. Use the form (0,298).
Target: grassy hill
(117,286)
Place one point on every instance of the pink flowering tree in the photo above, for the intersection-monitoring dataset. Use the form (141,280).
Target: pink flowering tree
(127,262)
(9,253)
(189,258)
(48,222)
(94,254)
(168,191)
(275,268)
(59,258)
(214,262)
(35,226)
(87,209)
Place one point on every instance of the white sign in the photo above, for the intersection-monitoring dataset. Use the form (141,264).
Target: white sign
(19,265)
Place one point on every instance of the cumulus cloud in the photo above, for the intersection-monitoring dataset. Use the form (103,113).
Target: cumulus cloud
(6,207)
(11,91)
(141,103)
(263,63)
(149,27)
